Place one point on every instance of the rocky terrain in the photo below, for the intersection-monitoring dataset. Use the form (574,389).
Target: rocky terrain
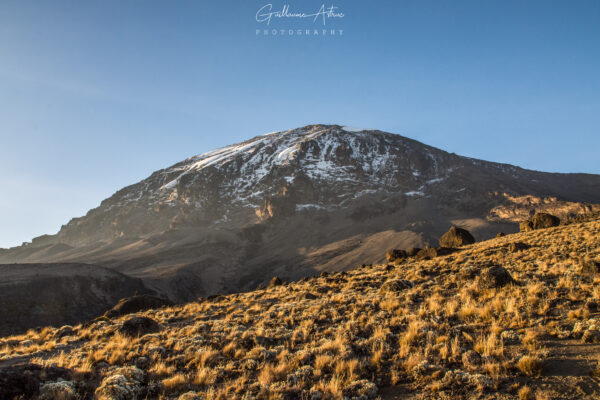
(294,204)
(513,317)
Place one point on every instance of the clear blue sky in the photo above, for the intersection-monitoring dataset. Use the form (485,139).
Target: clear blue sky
(96,95)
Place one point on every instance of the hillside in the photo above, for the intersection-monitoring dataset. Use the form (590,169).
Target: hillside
(296,203)
(33,295)
(457,326)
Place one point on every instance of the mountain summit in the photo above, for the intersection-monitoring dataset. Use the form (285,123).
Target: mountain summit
(297,202)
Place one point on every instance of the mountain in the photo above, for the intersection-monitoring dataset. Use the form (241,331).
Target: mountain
(298,202)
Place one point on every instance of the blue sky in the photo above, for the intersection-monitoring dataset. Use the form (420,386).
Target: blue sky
(96,95)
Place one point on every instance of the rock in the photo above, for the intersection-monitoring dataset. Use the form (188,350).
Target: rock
(494,277)
(459,379)
(63,331)
(517,246)
(471,359)
(544,220)
(427,254)
(309,296)
(139,326)
(395,286)
(396,255)
(315,394)
(510,337)
(591,305)
(413,252)
(358,389)
(425,369)
(500,234)
(591,336)
(135,304)
(63,390)
(275,282)
(525,226)
(156,351)
(456,237)
(539,221)
(142,363)
(190,396)
(123,384)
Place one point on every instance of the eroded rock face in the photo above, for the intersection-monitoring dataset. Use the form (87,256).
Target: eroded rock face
(456,237)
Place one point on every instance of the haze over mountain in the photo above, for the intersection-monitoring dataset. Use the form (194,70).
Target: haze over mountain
(295,203)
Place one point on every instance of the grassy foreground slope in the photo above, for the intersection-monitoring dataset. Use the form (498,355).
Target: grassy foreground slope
(448,328)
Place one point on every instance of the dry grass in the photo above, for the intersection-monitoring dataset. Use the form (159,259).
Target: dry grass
(445,337)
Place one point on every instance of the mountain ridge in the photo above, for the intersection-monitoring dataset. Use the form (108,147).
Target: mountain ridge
(297,202)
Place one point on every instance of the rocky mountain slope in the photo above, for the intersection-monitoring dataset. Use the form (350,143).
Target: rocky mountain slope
(298,202)
(57,294)
(514,317)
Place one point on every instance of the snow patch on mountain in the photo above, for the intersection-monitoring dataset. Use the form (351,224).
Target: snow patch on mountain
(354,129)
(345,160)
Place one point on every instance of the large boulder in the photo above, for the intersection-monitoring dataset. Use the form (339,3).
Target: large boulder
(139,326)
(413,252)
(456,237)
(135,304)
(494,277)
(539,221)
(544,220)
(525,226)
(396,255)
(426,254)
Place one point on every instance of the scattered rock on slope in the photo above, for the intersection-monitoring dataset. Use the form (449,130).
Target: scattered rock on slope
(275,282)
(139,326)
(544,220)
(494,277)
(456,237)
(525,226)
(395,285)
(539,221)
(517,246)
(396,255)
